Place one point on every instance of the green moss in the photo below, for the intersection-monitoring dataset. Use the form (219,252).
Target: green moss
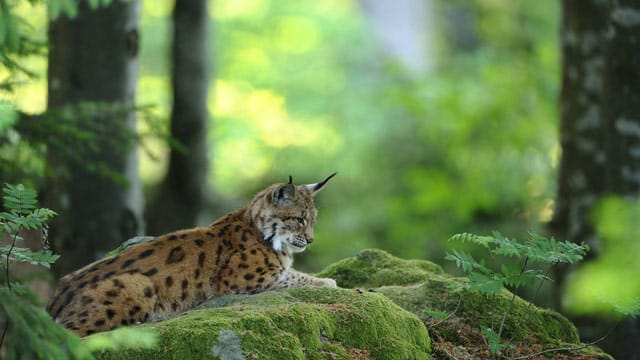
(386,323)
(422,288)
(524,320)
(304,323)
(375,268)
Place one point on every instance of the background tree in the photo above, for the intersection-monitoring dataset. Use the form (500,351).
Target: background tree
(600,133)
(582,125)
(621,106)
(93,58)
(180,197)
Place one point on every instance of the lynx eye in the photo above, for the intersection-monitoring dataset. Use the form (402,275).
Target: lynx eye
(301,221)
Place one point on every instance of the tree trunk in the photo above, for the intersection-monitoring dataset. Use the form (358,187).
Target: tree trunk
(600,133)
(93,58)
(582,127)
(181,195)
(621,103)
(622,100)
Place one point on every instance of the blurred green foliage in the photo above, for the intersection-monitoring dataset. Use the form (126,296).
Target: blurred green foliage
(302,88)
(605,285)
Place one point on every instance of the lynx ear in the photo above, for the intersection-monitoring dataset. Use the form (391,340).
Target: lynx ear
(283,193)
(315,188)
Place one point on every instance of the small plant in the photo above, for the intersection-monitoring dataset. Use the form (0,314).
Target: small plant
(515,271)
(21,214)
(28,332)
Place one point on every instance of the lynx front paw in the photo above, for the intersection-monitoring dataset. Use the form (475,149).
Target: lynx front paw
(326,282)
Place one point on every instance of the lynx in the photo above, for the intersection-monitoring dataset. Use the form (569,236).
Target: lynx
(247,251)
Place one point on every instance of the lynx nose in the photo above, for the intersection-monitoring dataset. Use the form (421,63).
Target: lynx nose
(309,240)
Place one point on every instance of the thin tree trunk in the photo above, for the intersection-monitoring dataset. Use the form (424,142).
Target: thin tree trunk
(582,127)
(181,195)
(93,58)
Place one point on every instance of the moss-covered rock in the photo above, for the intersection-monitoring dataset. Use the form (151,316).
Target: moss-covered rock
(375,268)
(399,309)
(453,314)
(304,323)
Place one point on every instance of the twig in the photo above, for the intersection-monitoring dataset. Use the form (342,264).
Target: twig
(567,348)
(535,294)
(13,244)
(450,355)
(451,313)
(4,333)
(513,298)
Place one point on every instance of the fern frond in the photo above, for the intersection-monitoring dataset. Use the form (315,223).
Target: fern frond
(18,199)
(466,262)
(550,251)
(485,241)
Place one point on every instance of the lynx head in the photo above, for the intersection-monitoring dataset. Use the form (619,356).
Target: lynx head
(285,214)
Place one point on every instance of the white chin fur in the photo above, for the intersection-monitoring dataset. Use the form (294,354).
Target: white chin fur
(280,243)
(277,243)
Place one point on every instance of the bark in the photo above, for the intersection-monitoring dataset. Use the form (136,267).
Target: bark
(622,99)
(181,195)
(582,127)
(600,133)
(93,57)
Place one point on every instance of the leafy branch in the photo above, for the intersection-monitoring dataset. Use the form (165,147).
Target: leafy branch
(515,271)
(21,214)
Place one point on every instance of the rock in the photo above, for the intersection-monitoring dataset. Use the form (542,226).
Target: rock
(391,309)
(455,315)
(304,323)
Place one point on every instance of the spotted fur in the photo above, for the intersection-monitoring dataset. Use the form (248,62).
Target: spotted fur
(245,252)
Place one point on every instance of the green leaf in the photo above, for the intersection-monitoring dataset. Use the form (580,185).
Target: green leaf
(434,314)
(471,238)
(42,257)
(8,114)
(484,283)
(466,262)
(493,339)
(18,288)
(510,269)
(33,334)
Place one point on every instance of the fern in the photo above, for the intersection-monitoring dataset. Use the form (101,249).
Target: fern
(466,262)
(515,272)
(29,331)
(485,241)
(21,214)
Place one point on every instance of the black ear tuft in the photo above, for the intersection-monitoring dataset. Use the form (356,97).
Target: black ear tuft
(284,193)
(318,186)
(290,180)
